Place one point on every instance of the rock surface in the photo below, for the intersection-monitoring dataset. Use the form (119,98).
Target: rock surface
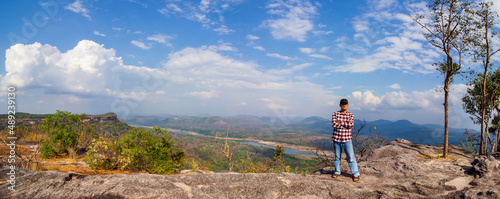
(397,170)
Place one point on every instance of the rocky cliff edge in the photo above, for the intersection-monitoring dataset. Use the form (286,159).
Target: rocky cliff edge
(400,169)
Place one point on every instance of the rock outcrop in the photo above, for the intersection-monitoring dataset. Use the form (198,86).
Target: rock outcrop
(400,169)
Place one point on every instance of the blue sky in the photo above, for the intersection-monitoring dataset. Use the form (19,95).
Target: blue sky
(232,57)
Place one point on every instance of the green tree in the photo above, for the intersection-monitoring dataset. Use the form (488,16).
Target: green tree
(482,52)
(448,30)
(61,131)
(151,151)
(482,105)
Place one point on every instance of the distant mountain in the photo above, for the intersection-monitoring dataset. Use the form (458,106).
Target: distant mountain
(248,125)
(430,134)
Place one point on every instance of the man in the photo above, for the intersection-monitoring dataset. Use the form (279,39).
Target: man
(342,122)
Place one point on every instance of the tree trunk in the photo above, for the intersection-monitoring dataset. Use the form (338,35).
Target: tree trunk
(483,145)
(446,92)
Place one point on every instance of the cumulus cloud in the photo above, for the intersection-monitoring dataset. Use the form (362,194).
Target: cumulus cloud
(205,66)
(294,19)
(430,100)
(87,69)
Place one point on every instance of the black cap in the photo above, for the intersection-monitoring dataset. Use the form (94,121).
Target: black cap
(344,101)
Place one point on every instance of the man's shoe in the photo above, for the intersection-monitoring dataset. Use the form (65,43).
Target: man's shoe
(355,179)
(335,175)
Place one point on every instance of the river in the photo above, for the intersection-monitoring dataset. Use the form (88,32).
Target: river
(288,150)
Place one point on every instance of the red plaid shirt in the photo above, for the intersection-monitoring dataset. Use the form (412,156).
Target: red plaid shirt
(342,130)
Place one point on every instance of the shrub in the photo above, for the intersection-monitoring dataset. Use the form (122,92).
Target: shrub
(103,153)
(64,130)
(139,150)
(60,129)
(152,151)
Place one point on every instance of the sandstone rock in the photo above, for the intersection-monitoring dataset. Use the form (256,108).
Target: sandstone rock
(399,170)
(51,184)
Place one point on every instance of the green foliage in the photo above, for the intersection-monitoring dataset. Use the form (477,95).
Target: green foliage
(470,141)
(152,151)
(279,159)
(139,150)
(103,153)
(61,131)
(47,150)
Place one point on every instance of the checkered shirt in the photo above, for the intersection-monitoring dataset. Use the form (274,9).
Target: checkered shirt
(342,130)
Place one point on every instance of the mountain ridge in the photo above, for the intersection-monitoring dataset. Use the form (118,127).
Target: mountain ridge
(420,133)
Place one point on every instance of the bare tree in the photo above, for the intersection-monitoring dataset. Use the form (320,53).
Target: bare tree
(447,29)
(225,148)
(365,142)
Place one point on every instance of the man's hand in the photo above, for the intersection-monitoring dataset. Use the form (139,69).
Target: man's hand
(351,121)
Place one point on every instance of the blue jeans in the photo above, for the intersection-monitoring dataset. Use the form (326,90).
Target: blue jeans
(351,158)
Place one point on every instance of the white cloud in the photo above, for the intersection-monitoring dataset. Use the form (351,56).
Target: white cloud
(223,30)
(361,25)
(279,56)
(395,86)
(386,38)
(206,67)
(259,48)
(429,101)
(88,69)
(208,13)
(174,8)
(253,37)
(294,20)
(307,50)
(322,32)
(160,38)
(203,94)
(320,56)
(324,49)
(290,70)
(141,44)
(382,4)
(99,34)
(401,53)
(366,98)
(77,7)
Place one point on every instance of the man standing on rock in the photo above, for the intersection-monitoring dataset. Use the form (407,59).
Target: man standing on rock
(342,122)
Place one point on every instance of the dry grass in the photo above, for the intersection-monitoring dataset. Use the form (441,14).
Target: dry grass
(62,163)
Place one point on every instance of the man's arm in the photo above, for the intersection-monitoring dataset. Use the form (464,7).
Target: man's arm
(335,122)
(349,124)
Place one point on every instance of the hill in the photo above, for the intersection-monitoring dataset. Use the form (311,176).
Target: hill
(105,124)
